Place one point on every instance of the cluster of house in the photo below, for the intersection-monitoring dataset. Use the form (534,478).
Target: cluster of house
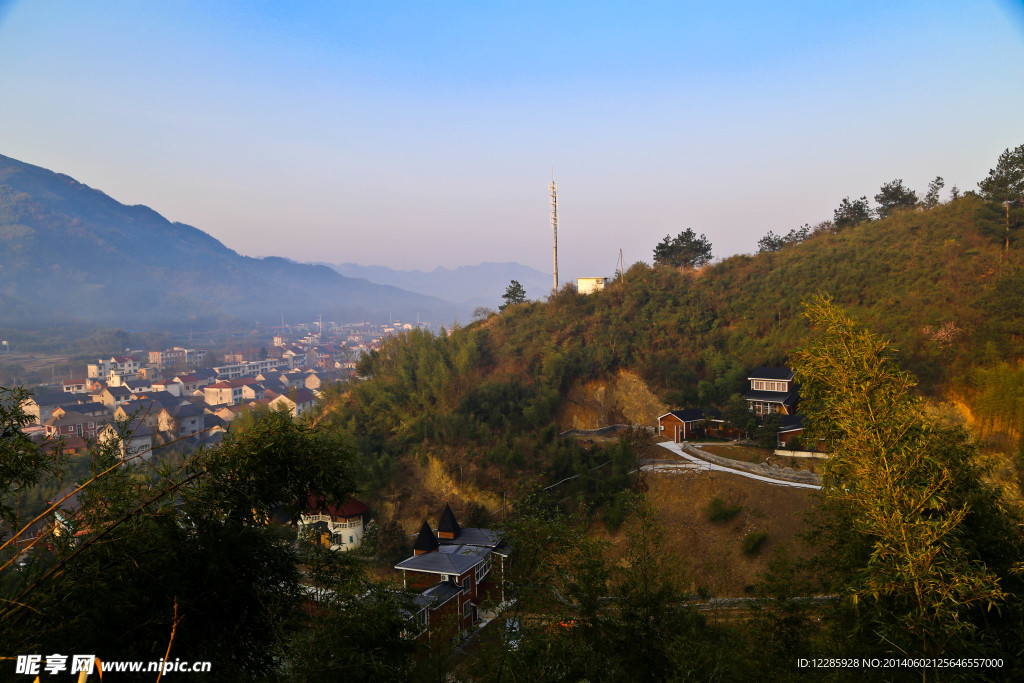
(162,405)
(453,568)
(772,391)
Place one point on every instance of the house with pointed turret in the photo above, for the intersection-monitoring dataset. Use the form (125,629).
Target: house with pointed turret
(457,568)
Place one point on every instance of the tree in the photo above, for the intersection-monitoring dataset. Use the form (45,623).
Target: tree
(931,199)
(770,242)
(1005,182)
(354,629)
(515,293)
(188,544)
(685,250)
(894,195)
(917,542)
(737,413)
(767,433)
(851,212)
(1005,185)
(482,313)
(22,462)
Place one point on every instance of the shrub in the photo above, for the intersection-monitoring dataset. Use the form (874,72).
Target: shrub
(718,511)
(753,542)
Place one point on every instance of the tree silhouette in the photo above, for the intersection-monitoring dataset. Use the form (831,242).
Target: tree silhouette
(515,293)
(685,250)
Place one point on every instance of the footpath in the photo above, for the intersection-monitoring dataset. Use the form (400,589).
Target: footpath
(697,459)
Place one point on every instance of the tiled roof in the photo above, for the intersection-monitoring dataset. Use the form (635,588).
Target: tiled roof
(448,559)
(786,397)
(448,522)
(688,415)
(791,423)
(351,508)
(438,594)
(426,541)
(783,374)
(484,538)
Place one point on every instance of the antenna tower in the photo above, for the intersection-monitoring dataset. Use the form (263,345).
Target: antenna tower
(553,188)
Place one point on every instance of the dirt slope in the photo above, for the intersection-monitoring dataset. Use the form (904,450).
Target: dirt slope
(620,399)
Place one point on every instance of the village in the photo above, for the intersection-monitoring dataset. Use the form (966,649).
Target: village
(187,396)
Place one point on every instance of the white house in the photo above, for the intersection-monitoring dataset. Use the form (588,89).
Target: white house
(335,527)
(589,285)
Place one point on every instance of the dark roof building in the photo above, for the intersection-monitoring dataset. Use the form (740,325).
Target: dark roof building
(772,390)
(462,559)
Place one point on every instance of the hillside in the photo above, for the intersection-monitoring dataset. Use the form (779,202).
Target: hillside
(482,404)
(71,254)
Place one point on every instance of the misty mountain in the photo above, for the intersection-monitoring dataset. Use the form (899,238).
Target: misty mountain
(486,281)
(70,253)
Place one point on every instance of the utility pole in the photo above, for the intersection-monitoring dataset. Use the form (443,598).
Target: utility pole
(553,189)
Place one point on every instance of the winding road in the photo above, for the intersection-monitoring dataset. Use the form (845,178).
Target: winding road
(695,463)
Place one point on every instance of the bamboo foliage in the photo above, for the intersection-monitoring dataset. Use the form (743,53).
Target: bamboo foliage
(905,494)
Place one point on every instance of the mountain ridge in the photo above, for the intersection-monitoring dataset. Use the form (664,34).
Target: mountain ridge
(72,253)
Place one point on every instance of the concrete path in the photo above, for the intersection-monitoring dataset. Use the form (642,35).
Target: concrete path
(693,462)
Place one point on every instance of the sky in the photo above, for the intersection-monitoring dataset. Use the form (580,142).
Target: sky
(423,134)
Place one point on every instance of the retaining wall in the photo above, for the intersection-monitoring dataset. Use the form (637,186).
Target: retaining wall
(784,473)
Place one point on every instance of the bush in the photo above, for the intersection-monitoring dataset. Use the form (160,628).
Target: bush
(718,511)
(753,542)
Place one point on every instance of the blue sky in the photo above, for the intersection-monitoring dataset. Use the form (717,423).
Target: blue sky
(422,134)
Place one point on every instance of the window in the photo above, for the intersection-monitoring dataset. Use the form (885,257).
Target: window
(482,570)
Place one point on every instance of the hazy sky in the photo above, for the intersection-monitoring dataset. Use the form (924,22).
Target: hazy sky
(422,134)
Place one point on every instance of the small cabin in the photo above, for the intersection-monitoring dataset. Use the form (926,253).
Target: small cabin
(590,285)
(682,425)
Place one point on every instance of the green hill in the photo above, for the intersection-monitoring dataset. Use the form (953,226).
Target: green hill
(484,398)
(71,254)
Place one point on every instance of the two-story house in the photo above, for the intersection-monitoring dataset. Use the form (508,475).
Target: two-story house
(458,568)
(78,385)
(135,442)
(298,402)
(772,390)
(338,527)
(181,420)
(73,424)
(227,392)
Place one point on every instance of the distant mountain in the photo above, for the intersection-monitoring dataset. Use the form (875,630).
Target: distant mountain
(70,253)
(486,281)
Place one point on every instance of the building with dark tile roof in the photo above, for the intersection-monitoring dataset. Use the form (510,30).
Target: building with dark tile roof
(467,563)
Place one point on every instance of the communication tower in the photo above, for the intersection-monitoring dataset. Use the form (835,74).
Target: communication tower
(553,188)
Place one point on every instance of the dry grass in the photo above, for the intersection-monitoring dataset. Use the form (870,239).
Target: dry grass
(734,452)
(711,554)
